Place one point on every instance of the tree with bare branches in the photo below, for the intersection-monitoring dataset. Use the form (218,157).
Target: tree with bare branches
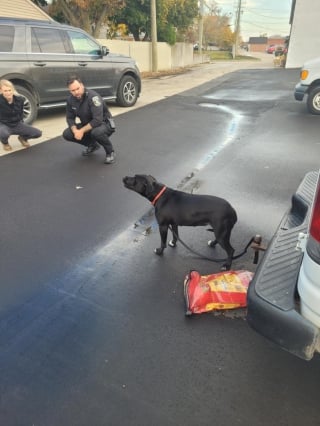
(89,15)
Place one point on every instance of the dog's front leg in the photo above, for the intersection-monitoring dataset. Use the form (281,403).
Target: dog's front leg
(163,229)
(175,235)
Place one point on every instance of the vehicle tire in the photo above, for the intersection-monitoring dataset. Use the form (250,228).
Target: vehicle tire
(30,110)
(127,93)
(313,101)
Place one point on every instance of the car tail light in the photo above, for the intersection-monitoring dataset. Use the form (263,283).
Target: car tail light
(315,219)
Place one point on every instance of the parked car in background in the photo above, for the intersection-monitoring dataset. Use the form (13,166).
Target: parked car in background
(38,56)
(284,295)
(196,47)
(309,85)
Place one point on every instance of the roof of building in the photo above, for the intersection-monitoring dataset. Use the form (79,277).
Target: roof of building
(258,40)
(22,9)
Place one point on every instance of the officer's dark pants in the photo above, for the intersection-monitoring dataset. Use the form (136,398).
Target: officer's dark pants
(21,129)
(99,134)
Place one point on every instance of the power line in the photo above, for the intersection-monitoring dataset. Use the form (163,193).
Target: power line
(266,23)
(268,10)
(263,26)
(267,16)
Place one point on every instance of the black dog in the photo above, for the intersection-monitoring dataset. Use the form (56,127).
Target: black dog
(177,208)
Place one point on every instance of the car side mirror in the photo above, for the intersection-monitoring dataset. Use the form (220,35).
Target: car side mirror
(104,51)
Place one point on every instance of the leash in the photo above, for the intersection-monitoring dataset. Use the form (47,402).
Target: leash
(213,259)
(255,241)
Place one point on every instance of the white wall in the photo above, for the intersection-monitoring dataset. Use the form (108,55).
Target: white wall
(179,55)
(305,33)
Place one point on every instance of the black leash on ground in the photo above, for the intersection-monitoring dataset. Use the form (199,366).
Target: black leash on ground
(213,259)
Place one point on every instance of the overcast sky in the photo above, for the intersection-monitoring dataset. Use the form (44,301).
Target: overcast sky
(258,17)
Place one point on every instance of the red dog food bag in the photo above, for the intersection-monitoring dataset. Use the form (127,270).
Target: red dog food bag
(224,290)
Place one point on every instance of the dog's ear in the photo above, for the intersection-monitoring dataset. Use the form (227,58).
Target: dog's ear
(150,181)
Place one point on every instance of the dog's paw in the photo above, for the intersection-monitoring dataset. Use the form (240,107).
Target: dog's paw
(158,251)
(225,267)
(212,243)
(172,243)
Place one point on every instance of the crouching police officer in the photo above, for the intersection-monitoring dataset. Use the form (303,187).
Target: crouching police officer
(94,128)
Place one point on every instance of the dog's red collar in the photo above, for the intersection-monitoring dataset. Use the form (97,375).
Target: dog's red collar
(156,198)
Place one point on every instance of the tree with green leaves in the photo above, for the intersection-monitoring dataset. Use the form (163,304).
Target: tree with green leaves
(173,17)
(181,15)
(136,16)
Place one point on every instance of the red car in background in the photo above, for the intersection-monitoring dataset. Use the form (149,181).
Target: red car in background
(271,48)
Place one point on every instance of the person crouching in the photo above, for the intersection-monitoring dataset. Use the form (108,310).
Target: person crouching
(11,117)
(94,129)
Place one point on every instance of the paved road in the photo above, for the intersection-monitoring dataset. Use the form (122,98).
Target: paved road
(94,332)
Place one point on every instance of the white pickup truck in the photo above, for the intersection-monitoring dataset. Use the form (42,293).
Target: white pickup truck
(309,85)
(284,295)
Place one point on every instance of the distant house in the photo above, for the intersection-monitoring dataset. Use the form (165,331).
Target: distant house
(22,9)
(277,41)
(258,44)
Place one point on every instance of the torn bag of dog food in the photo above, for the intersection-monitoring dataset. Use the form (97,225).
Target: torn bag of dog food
(220,291)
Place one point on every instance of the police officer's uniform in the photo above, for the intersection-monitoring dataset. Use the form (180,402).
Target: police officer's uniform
(89,109)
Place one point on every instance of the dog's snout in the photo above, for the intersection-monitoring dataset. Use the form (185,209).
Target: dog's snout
(128,181)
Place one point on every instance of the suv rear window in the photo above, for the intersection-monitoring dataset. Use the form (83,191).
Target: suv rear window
(6,38)
(46,40)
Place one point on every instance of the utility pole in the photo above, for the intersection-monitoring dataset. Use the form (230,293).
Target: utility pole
(237,30)
(201,8)
(154,40)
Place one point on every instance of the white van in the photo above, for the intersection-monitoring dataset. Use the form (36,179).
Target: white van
(309,85)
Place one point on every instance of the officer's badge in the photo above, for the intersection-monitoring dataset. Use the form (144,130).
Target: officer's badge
(96,101)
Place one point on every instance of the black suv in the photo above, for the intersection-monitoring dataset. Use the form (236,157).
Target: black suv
(38,56)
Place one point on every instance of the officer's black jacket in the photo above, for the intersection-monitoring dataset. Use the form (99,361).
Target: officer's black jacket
(89,109)
(11,114)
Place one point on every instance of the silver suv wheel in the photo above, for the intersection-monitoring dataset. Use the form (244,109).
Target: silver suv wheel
(30,110)
(128,90)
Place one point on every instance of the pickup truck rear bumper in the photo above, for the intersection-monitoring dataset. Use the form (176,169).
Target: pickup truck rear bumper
(272,295)
(299,91)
